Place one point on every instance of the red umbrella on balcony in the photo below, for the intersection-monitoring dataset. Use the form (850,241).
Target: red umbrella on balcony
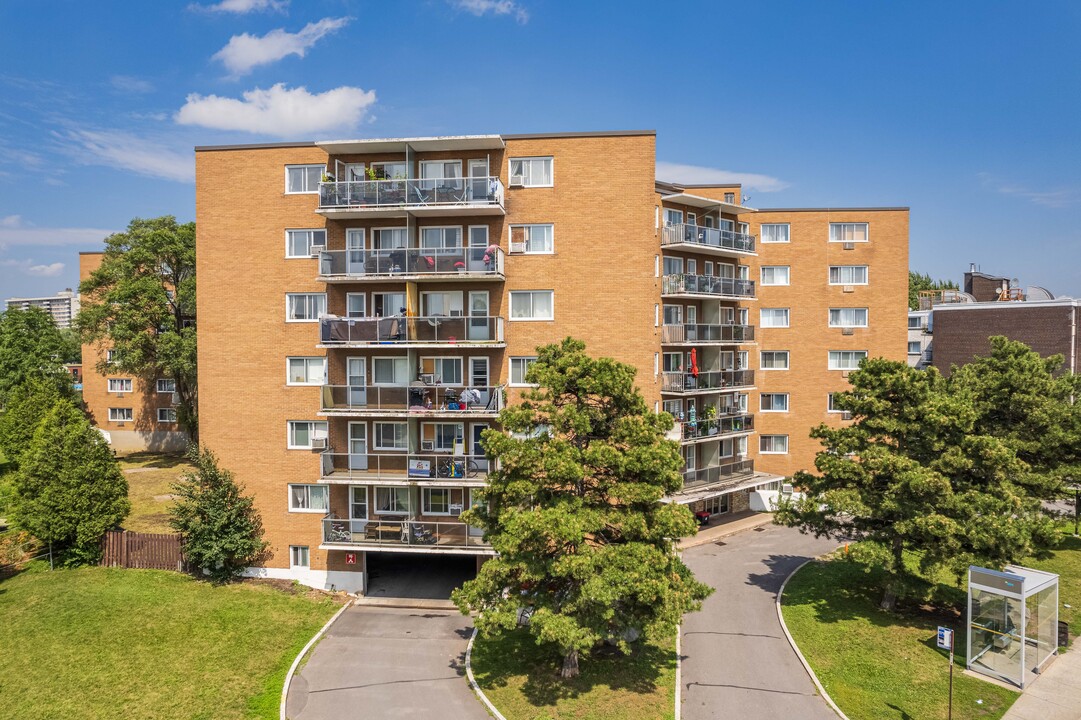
(694,362)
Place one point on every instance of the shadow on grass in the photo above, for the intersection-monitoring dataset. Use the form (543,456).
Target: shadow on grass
(156,460)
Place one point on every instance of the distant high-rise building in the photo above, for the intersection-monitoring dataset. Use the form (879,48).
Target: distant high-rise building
(63,306)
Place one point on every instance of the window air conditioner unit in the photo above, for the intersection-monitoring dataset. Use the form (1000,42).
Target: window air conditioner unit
(846,415)
(844,374)
(786,489)
(319,443)
(517,248)
(314,250)
(517,180)
(427,445)
(175,398)
(847,331)
(848,246)
(849,288)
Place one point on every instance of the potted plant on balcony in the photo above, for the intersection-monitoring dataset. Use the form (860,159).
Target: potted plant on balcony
(459,266)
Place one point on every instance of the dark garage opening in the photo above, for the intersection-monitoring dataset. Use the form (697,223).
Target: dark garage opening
(418,576)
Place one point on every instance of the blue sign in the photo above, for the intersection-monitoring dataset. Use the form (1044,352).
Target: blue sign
(945,638)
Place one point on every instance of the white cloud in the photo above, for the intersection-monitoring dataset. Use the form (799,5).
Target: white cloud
(126,83)
(28,267)
(241,7)
(244,52)
(11,221)
(123,150)
(1063,197)
(697,175)
(495,7)
(279,111)
(41,236)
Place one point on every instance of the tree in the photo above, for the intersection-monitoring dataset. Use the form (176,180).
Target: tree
(141,303)
(69,489)
(27,405)
(574,512)
(71,348)
(913,473)
(31,346)
(918,282)
(219,526)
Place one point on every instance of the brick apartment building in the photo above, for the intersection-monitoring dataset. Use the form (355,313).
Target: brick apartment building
(366,308)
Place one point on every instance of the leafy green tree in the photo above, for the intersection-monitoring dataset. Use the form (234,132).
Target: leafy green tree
(574,512)
(914,473)
(918,282)
(27,405)
(141,304)
(219,526)
(69,489)
(31,346)
(71,348)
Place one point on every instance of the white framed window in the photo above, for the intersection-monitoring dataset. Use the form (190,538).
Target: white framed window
(519,366)
(692,266)
(392,500)
(773,360)
(672,362)
(309,498)
(358,502)
(298,243)
(165,385)
(848,232)
(441,436)
(848,274)
(120,385)
(773,444)
(305,370)
(914,348)
(773,402)
(846,359)
(672,217)
(532,172)
(389,238)
(532,305)
(120,414)
(441,238)
(535,239)
(434,173)
(391,436)
(303,178)
(390,370)
(435,501)
(305,307)
(167,415)
(774,318)
(774,233)
(775,274)
(848,317)
(672,265)
(355,305)
(388,170)
(112,356)
(915,322)
(304,433)
(299,556)
(447,370)
(830,406)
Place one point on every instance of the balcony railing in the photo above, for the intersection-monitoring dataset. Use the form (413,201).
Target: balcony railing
(683,382)
(430,399)
(466,192)
(716,427)
(403,466)
(731,471)
(339,531)
(412,263)
(698,333)
(683,234)
(707,285)
(408,330)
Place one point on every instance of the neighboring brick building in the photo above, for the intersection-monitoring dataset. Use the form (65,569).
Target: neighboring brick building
(378,275)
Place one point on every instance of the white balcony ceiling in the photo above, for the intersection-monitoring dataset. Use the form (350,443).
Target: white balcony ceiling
(704,202)
(447,143)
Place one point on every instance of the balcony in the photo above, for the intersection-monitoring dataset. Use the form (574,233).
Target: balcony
(424,331)
(692,286)
(725,473)
(412,264)
(411,401)
(698,334)
(715,428)
(428,468)
(685,383)
(707,240)
(426,197)
(404,535)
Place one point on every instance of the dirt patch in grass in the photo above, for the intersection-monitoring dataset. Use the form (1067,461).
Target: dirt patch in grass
(150,479)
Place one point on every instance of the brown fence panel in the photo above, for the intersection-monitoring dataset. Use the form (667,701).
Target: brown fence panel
(120,548)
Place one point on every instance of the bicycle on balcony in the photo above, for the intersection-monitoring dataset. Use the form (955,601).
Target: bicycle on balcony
(457,467)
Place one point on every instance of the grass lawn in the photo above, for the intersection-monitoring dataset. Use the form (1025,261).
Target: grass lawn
(1066,561)
(150,477)
(96,643)
(521,679)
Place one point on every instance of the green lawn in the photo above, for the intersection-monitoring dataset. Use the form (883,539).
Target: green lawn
(96,643)
(1066,561)
(521,679)
(150,477)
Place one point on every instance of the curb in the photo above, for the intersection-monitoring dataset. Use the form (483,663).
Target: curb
(473,681)
(679,670)
(814,678)
(300,656)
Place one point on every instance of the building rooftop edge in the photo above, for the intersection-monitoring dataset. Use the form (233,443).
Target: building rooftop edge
(519,136)
(995,304)
(253,146)
(836,209)
(594,133)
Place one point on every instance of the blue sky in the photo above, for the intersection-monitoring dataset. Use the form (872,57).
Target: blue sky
(969,113)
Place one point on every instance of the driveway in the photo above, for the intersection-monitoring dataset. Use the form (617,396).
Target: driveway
(388,663)
(737,662)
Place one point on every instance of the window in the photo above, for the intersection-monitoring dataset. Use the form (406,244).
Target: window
(914,348)
(436,173)
(773,402)
(774,360)
(309,498)
(435,501)
(775,233)
(441,436)
(392,500)
(730,198)
(672,217)
(298,243)
(120,414)
(848,274)
(304,433)
(167,415)
(848,232)
(389,238)
(303,178)
(440,238)
(848,317)
(673,266)
(915,322)
(358,502)
(830,406)
(773,444)
(774,318)
(447,370)
(388,304)
(532,305)
(305,370)
(166,385)
(298,556)
(536,239)
(531,172)
(692,266)
(388,170)
(447,303)
(355,306)
(519,366)
(775,274)
(305,307)
(390,370)
(119,385)
(391,436)
(846,359)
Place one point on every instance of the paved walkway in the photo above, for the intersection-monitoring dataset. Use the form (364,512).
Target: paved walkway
(1055,695)
(393,663)
(738,663)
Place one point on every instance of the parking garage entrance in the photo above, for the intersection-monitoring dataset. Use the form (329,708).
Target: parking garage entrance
(428,576)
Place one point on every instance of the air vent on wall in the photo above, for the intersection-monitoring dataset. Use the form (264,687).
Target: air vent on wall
(848,246)
(848,288)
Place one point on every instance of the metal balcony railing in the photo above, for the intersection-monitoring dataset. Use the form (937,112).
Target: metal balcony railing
(403,466)
(340,531)
(684,234)
(408,330)
(716,427)
(707,285)
(436,263)
(698,333)
(450,191)
(731,471)
(412,398)
(684,382)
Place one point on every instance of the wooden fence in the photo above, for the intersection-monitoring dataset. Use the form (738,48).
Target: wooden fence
(120,548)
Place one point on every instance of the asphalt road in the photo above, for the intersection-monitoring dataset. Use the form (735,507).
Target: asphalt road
(737,662)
